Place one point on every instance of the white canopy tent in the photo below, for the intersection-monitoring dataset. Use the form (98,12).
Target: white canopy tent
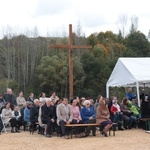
(130,72)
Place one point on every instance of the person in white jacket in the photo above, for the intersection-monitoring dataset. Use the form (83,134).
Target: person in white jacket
(16,114)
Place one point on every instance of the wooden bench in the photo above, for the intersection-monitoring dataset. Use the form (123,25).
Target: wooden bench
(91,124)
(147,123)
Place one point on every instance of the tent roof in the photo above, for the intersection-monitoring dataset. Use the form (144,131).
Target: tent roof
(128,71)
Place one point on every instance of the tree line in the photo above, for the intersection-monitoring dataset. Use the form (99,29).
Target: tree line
(29,65)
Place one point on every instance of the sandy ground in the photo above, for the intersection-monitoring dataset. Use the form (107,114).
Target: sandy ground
(134,139)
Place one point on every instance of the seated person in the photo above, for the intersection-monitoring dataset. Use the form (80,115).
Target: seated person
(116,113)
(88,116)
(103,115)
(48,116)
(26,116)
(1,106)
(136,114)
(130,95)
(79,131)
(134,108)
(34,112)
(16,114)
(22,112)
(64,116)
(127,114)
(7,117)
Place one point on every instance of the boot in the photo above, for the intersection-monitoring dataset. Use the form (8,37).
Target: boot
(94,131)
(17,130)
(13,130)
(87,132)
(120,126)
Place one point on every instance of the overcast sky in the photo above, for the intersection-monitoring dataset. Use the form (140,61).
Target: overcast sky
(52,17)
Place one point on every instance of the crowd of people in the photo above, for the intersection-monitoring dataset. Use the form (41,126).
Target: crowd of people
(54,113)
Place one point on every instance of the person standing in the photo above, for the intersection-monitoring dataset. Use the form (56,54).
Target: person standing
(2,100)
(20,100)
(31,98)
(9,97)
(54,97)
(130,95)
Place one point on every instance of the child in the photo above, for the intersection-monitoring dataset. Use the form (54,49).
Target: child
(116,113)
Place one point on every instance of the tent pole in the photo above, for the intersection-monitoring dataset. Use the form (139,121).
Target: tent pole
(138,96)
(107,91)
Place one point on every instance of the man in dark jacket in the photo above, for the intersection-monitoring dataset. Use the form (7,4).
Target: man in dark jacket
(9,97)
(48,116)
(34,113)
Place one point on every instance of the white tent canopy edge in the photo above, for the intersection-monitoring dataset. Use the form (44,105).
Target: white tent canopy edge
(131,72)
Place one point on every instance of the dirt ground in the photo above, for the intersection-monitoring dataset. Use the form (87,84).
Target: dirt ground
(134,139)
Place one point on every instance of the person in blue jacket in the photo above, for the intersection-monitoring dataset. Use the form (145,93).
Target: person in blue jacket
(27,113)
(88,116)
(130,95)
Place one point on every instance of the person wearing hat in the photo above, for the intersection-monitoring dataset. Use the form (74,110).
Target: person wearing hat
(27,112)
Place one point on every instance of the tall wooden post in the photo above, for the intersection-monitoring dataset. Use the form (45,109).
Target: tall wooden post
(71,47)
(70,62)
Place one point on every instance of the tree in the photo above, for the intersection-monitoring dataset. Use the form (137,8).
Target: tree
(123,24)
(134,24)
(138,43)
(53,74)
(92,39)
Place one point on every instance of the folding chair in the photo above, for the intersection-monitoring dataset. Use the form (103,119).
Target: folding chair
(3,124)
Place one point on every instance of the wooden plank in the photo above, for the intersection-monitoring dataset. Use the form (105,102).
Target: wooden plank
(71,46)
(81,125)
(145,119)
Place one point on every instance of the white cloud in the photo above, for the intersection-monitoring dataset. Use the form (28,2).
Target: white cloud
(53,16)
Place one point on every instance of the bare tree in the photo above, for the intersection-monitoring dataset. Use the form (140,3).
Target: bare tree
(134,24)
(123,24)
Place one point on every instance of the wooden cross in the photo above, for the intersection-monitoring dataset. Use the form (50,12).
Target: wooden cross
(71,47)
